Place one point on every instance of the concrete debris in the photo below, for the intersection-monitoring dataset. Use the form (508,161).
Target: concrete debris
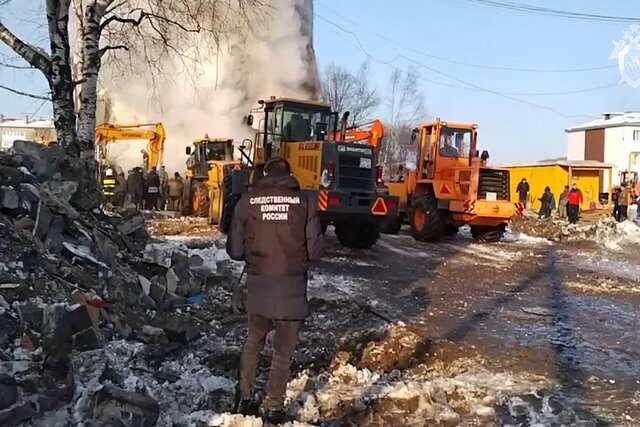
(604,230)
(9,198)
(114,406)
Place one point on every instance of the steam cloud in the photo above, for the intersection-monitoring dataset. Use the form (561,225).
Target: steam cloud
(215,92)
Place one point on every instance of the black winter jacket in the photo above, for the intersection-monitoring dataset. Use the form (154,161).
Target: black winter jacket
(276,230)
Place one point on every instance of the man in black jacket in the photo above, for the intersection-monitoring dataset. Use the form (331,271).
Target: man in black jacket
(523,192)
(276,230)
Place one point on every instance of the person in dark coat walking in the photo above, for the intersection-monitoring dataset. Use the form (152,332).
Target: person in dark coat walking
(523,192)
(276,231)
(547,203)
(135,187)
(153,190)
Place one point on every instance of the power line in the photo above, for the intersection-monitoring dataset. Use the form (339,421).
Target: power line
(473,65)
(464,84)
(545,11)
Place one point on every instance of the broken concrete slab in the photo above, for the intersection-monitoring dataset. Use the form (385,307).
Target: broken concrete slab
(57,204)
(62,190)
(18,413)
(195,261)
(127,408)
(84,253)
(172,280)
(10,176)
(8,391)
(79,319)
(43,220)
(180,329)
(157,292)
(9,198)
(162,253)
(145,284)
(24,223)
(152,335)
(131,224)
(88,339)
(56,336)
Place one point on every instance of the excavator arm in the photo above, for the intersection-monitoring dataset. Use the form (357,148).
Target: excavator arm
(372,133)
(108,133)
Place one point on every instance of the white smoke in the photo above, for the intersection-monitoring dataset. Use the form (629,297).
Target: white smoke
(214,92)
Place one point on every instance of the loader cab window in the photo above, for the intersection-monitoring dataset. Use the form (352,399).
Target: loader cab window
(299,122)
(455,142)
(214,151)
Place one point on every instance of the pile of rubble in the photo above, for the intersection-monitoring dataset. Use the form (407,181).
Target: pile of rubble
(74,278)
(606,230)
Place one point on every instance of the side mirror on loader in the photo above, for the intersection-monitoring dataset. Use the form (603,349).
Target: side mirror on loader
(249,119)
(187,151)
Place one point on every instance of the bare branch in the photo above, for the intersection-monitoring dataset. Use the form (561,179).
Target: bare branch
(34,56)
(106,49)
(28,95)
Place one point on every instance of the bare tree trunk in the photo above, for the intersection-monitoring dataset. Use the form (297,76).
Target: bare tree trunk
(61,76)
(93,13)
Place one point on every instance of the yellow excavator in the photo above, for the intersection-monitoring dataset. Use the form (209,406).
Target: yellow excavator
(108,133)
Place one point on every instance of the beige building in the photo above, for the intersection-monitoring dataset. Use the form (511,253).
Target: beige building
(12,130)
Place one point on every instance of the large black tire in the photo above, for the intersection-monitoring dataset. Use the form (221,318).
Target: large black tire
(451,230)
(200,199)
(357,236)
(487,233)
(229,202)
(393,226)
(427,224)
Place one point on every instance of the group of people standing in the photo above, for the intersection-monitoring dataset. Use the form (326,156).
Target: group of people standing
(568,203)
(153,190)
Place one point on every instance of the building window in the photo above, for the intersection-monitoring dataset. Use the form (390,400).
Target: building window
(636,135)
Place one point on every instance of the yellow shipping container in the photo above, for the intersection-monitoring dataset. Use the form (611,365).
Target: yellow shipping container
(556,174)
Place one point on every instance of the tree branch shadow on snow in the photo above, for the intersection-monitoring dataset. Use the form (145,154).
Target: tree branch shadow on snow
(570,375)
(564,344)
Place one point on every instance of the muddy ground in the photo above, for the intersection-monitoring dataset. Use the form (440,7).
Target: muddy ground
(523,332)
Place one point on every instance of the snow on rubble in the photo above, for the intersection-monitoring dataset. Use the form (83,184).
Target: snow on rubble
(605,231)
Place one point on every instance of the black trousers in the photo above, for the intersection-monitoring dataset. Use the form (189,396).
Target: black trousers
(573,211)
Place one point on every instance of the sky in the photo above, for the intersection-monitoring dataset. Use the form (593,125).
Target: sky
(436,37)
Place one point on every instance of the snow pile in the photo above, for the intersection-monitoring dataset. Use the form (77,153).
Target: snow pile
(462,391)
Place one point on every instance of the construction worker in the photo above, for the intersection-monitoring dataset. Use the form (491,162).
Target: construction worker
(164,188)
(135,187)
(624,200)
(562,203)
(108,183)
(121,190)
(276,230)
(153,189)
(523,192)
(574,200)
(176,187)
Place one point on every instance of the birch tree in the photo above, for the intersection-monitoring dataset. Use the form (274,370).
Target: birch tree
(406,107)
(107,27)
(346,91)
